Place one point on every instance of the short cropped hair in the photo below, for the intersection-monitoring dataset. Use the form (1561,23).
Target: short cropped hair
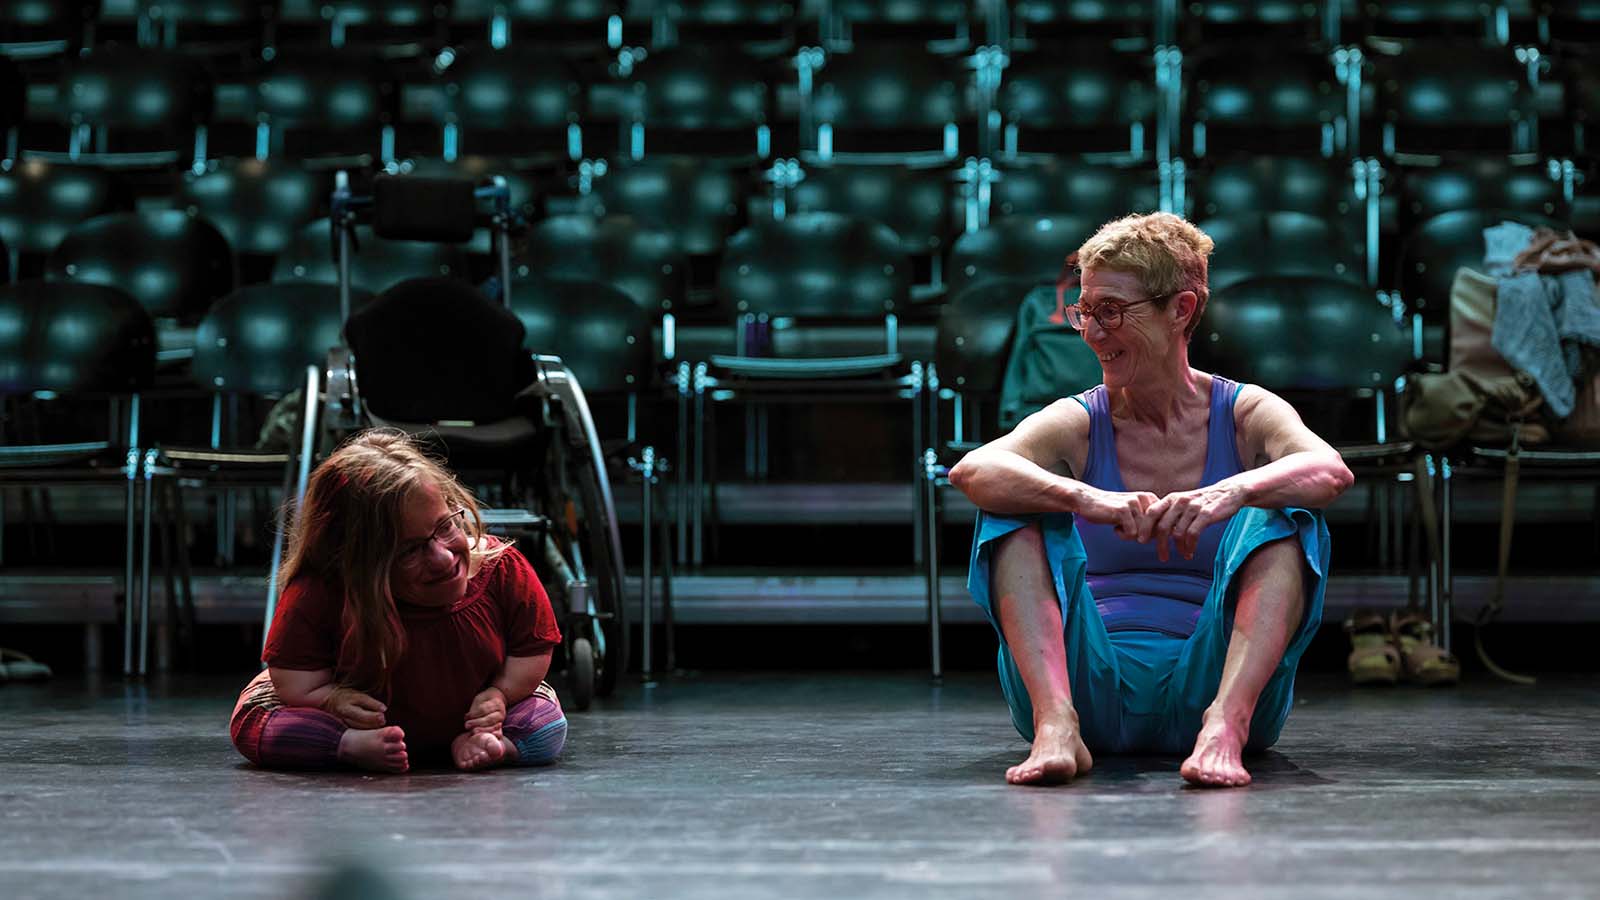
(1165,251)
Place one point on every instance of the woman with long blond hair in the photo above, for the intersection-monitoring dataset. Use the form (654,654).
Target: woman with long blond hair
(404,632)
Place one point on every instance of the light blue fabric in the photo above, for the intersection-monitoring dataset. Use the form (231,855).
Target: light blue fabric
(1142,691)
(1542,325)
(1501,244)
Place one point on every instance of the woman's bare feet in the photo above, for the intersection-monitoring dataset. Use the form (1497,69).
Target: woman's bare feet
(1058,755)
(481,750)
(378,749)
(1217,760)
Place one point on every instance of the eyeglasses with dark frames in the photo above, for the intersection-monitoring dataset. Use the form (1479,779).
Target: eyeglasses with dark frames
(443,533)
(1107,312)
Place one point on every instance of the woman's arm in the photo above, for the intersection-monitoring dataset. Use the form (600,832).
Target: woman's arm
(518,678)
(317,689)
(299,687)
(520,675)
(1293,466)
(1017,474)
(1286,464)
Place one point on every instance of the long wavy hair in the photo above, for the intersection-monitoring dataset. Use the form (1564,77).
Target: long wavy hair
(347,534)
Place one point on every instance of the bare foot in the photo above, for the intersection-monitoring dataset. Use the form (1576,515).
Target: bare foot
(1217,758)
(481,750)
(378,749)
(1058,755)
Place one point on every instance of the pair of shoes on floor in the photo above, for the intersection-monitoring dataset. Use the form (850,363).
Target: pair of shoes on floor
(1384,649)
(15,666)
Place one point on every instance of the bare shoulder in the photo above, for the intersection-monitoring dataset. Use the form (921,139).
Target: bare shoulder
(1269,427)
(1055,438)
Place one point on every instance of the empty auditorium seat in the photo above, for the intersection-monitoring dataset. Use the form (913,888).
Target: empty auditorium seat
(40,202)
(1436,99)
(878,100)
(258,205)
(917,203)
(696,202)
(1078,100)
(1252,98)
(1249,245)
(485,103)
(697,100)
(376,264)
(1073,187)
(1022,246)
(643,262)
(173,263)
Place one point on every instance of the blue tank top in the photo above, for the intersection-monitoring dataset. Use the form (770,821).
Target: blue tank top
(1132,587)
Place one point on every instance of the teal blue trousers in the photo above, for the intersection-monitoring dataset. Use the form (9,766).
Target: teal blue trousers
(1144,691)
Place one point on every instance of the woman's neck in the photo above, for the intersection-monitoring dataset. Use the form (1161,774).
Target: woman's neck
(1161,400)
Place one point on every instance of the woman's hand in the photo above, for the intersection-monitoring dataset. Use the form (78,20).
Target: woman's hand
(1124,510)
(1183,515)
(354,708)
(487,712)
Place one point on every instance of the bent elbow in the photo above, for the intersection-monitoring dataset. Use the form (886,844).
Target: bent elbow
(1340,479)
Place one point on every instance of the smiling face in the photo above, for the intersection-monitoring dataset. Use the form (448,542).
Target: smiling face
(1149,344)
(432,560)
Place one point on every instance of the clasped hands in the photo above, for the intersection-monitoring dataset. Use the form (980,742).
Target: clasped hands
(1175,520)
(486,713)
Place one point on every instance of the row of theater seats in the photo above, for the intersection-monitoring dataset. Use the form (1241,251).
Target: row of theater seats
(657,22)
(156,106)
(669,231)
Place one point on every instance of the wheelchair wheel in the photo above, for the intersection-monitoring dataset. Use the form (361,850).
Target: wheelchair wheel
(600,546)
(580,673)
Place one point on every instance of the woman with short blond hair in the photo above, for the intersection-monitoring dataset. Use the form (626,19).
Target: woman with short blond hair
(1150,551)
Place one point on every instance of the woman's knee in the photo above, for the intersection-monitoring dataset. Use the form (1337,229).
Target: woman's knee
(538,727)
(1019,557)
(1278,563)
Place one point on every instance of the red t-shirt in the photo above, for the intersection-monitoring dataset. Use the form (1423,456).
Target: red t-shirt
(451,653)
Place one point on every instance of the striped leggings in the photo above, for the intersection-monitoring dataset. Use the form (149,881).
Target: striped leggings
(276,736)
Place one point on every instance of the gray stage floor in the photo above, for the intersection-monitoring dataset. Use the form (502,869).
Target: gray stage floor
(810,786)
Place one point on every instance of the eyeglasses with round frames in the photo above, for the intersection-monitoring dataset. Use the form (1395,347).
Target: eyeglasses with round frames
(443,533)
(1108,313)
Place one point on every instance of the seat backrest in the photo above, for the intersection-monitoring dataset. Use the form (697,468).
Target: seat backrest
(816,265)
(40,202)
(535,11)
(1082,87)
(645,263)
(309,99)
(258,205)
(1060,186)
(73,338)
(1280,243)
(260,338)
(975,333)
(1073,18)
(375,264)
(501,91)
(436,349)
(598,331)
(147,90)
(1205,20)
(173,263)
(1436,248)
(1270,100)
(694,200)
(698,88)
(1478,183)
(884,89)
(1258,184)
(1027,247)
(916,203)
(1445,98)
(1297,333)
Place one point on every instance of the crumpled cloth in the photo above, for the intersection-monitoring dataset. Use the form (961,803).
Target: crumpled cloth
(1547,315)
(1501,244)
